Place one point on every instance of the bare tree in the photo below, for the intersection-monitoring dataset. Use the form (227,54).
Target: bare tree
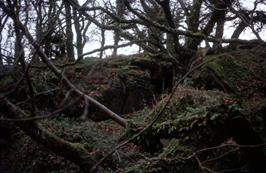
(69,32)
(120,11)
(3,20)
(103,40)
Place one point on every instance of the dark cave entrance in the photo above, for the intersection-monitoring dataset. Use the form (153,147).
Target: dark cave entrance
(163,81)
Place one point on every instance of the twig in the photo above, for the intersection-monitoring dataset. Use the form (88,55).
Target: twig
(203,168)
(38,94)
(65,98)
(220,156)
(233,170)
(226,145)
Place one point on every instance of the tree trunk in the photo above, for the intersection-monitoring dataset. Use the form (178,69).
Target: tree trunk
(116,41)
(20,56)
(78,33)
(1,56)
(69,33)
(193,23)
(39,28)
(120,11)
(172,43)
(74,152)
(239,29)
(219,30)
(155,35)
(102,42)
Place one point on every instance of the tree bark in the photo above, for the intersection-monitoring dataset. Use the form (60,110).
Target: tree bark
(154,34)
(102,42)
(2,22)
(78,32)
(219,29)
(69,33)
(193,23)
(172,42)
(239,29)
(120,11)
(74,152)
(216,15)
(1,56)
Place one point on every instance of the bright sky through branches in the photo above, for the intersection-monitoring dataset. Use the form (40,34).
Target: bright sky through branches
(95,38)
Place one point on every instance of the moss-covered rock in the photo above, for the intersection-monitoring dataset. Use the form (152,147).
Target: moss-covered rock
(193,120)
(123,84)
(222,72)
(241,73)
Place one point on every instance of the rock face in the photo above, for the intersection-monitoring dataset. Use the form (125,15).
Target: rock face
(225,105)
(193,120)
(239,73)
(123,84)
(203,125)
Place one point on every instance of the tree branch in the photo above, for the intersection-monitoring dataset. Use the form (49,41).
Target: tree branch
(121,121)
(76,153)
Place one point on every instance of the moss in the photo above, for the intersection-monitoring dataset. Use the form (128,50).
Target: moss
(134,75)
(254,111)
(193,125)
(158,165)
(6,80)
(225,71)
(193,119)
(25,155)
(152,62)
(186,103)
(262,104)
(228,68)
(175,149)
(137,168)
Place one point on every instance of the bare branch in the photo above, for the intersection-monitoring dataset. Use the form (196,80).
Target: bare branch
(58,73)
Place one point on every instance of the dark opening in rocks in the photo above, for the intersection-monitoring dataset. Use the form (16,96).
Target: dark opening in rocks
(163,82)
